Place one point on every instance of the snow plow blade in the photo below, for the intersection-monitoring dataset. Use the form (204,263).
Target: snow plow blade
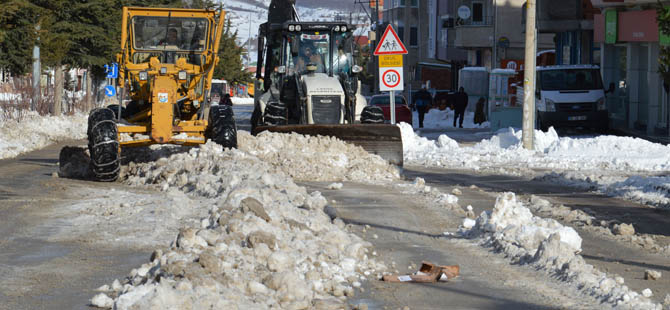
(381,139)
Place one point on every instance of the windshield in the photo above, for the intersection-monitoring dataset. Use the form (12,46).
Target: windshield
(314,49)
(385,100)
(570,79)
(169,33)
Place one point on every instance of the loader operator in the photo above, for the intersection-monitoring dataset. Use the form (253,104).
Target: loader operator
(171,40)
(307,56)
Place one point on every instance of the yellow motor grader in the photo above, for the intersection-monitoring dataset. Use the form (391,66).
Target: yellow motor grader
(166,65)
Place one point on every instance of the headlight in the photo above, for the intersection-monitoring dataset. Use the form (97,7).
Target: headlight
(336,29)
(344,28)
(356,69)
(551,106)
(298,27)
(602,105)
(144,75)
(291,28)
(182,75)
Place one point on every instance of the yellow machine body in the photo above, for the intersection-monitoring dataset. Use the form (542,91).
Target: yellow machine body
(167,82)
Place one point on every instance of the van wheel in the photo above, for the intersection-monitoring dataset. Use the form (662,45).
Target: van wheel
(372,115)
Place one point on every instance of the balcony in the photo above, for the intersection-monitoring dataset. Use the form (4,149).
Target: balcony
(473,33)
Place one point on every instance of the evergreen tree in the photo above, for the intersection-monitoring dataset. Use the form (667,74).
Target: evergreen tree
(230,65)
(17,36)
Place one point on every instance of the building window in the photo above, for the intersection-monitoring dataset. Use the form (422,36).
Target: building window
(415,3)
(401,33)
(413,36)
(400,3)
(477,12)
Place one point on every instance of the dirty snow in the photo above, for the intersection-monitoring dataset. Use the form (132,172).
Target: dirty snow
(317,158)
(34,132)
(266,242)
(547,245)
(242,101)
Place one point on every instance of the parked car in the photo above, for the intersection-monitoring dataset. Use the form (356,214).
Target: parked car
(402,112)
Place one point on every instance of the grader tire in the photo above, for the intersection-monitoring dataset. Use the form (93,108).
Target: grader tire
(275,114)
(372,115)
(103,145)
(222,129)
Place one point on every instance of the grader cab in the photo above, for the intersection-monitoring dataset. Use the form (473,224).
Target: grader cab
(166,65)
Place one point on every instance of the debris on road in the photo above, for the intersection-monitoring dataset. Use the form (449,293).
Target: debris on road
(652,275)
(335,186)
(428,273)
(623,229)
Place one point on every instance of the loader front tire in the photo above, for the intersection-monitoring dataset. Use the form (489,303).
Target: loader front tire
(222,129)
(372,115)
(275,114)
(103,145)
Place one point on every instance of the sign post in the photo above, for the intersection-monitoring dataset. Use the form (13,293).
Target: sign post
(390,50)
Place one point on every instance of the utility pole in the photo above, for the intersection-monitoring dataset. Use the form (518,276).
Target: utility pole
(529,78)
(375,61)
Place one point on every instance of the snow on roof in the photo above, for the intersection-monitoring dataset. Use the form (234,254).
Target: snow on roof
(564,67)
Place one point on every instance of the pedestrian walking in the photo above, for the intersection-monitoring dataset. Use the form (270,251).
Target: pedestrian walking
(226,100)
(423,101)
(480,117)
(460,103)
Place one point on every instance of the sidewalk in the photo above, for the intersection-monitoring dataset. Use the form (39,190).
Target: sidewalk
(641,134)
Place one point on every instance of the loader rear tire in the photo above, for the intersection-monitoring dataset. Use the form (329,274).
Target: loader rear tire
(275,114)
(372,115)
(103,145)
(222,129)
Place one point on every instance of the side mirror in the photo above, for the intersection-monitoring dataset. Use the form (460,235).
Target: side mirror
(295,48)
(610,89)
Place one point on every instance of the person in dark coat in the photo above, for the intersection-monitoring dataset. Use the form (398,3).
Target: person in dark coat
(226,100)
(480,117)
(460,103)
(422,101)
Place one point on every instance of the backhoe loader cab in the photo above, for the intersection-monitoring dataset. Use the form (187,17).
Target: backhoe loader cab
(166,65)
(312,75)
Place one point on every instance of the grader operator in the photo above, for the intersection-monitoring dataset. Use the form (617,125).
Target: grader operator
(166,62)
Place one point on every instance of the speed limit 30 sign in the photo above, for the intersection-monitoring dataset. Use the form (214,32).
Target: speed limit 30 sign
(390,78)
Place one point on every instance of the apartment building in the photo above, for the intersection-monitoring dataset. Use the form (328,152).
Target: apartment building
(493,31)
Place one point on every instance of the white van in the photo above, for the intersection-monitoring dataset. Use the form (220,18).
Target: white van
(571,96)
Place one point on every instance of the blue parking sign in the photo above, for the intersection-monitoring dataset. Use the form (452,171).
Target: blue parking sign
(110,91)
(112,71)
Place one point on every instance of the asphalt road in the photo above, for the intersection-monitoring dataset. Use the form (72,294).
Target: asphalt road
(39,273)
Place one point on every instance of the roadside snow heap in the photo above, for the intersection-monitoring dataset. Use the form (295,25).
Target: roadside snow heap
(505,149)
(34,132)
(267,243)
(547,245)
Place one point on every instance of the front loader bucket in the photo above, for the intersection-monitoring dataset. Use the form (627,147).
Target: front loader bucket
(381,139)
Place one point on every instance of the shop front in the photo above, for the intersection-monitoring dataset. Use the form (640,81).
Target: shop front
(629,41)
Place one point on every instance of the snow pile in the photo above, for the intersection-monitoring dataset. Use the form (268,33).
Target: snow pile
(436,119)
(604,153)
(35,132)
(317,158)
(242,101)
(547,245)
(266,243)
